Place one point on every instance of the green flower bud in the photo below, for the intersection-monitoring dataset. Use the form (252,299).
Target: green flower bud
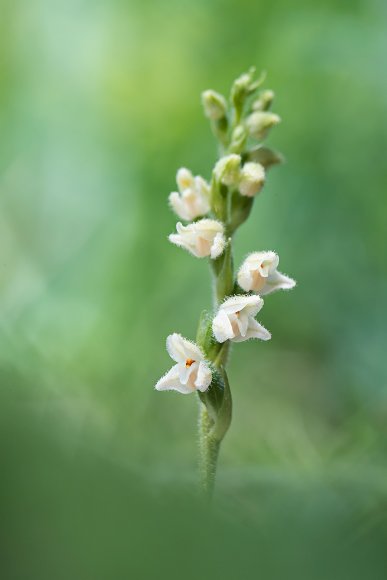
(238,139)
(214,104)
(244,86)
(259,123)
(227,169)
(264,102)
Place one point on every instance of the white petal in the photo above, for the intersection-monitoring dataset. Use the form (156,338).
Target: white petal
(208,227)
(184,179)
(202,186)
(278,281)
(255,330)
(245,279)
(171,382)
(184,240)
(178,206)
(263,262)
(198,237)
(180,349)
(252,179)
(204,377)
(221,326)
(242,321)
(238,303)
(218,246)
(188,373)
(253,308)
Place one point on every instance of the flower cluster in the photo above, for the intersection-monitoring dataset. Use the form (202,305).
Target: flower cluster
(214,211)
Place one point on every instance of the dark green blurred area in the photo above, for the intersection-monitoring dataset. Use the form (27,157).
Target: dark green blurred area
(99,106)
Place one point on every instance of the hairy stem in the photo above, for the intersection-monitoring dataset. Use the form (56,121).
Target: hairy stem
(209,445)
(209,450)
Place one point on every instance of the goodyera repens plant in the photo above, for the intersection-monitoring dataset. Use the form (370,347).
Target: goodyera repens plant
(214,211)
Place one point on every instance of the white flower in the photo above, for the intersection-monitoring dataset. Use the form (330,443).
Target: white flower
(192,200)
(202,238)
(259,123)
(214,104)
(252,179)
(258,273)
(191,371)
(227,169)
(235,320)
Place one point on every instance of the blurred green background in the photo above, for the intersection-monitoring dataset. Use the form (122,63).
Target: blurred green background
(99,106)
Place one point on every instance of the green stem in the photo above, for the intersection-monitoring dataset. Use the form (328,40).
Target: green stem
(214,419)
(222,269)
(209,451)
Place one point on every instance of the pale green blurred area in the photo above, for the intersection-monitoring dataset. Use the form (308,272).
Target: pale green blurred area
(99,106)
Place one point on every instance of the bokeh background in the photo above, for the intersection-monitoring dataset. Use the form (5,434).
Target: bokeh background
(99,106)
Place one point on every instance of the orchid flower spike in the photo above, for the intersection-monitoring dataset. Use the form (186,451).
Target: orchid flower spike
(191,372)
(192,201)
(202,238)
(235,320)
(259,273)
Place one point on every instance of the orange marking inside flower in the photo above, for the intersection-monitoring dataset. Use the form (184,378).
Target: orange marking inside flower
(189,362)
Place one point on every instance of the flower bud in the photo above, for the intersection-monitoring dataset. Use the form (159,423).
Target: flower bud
(241,86)
(238,139)
(214,104)
(259,123)
(244,86)
(252,179)
(227,169)
(264,102)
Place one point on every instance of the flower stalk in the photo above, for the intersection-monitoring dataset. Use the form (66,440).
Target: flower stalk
(215,212)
